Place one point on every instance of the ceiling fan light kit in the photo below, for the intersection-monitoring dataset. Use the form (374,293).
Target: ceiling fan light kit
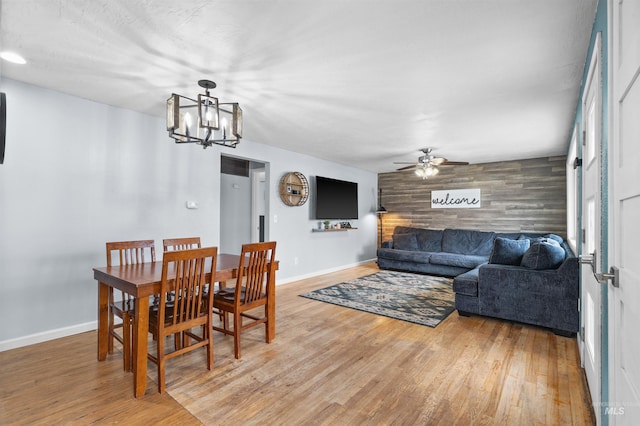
(427,165)
(425,172)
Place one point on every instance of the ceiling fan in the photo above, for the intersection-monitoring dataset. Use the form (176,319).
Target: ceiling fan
(428,163)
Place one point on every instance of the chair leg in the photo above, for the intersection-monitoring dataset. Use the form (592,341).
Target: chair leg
(207,333)
(126,341)
(237,325)
(160,354)
(266,325)
(111,323)
(111,331)
(225,320)
(134,337)
(185,339)
(177,341)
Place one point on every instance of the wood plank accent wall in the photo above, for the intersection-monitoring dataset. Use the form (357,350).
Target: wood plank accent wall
(523,195)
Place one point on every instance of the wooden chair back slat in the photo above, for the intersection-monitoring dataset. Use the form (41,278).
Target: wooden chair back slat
(131,252)
(186,243)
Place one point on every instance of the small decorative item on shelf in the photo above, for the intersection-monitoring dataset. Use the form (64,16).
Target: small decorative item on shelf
(326,224)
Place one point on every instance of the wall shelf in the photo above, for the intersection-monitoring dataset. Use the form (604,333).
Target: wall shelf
(294,189)
(332,230)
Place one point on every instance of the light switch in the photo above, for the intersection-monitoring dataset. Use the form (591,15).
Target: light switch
(275,218)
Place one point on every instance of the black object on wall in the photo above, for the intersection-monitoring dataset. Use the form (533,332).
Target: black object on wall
(3,125)
(336,199)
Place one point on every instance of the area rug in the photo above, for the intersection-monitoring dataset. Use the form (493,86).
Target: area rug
(420,299)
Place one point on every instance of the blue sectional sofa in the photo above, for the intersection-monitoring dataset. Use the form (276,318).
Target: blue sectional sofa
(531,278)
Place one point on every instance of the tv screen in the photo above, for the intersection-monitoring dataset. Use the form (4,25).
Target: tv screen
(336,199)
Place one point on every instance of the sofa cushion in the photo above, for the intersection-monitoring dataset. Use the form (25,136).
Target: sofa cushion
(456,259)
(429,239)
(543,255)
(467,283)
(404,255)
(508,252)
(405,242)
(465,241)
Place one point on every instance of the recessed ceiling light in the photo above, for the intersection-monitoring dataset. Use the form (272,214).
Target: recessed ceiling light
(13,57)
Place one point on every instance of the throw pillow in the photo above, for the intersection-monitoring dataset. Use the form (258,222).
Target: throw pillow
(555,237)
(405,242)
(549,238)
(508,252)
(543,255)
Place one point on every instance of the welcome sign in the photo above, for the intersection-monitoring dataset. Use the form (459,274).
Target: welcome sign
(456,199)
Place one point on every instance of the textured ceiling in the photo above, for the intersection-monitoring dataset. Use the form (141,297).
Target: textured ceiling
(363,83)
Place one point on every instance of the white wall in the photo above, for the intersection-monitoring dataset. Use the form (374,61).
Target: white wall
(78,174)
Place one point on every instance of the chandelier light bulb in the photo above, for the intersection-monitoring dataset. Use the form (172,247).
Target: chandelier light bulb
(12,57)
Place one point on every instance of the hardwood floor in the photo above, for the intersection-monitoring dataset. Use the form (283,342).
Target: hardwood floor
(328,365)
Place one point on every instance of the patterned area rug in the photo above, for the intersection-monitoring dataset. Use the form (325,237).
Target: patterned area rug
(420,299)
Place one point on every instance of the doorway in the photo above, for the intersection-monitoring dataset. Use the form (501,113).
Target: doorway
(243,202)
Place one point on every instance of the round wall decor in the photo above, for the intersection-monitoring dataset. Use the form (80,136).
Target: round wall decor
(294,189)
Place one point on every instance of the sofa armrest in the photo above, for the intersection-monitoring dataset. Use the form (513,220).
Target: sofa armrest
(563,281)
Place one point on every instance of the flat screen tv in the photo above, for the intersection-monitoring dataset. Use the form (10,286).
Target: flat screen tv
(336,199)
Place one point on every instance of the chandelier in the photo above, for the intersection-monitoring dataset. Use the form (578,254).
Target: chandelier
(204,121)
(426,171)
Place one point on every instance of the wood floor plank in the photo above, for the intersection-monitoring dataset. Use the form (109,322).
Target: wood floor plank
(328,365)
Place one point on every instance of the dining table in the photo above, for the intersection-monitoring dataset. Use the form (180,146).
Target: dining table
(141,281)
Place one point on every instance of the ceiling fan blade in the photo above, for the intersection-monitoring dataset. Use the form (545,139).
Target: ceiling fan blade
(454,163)
(408,167)
(404,162)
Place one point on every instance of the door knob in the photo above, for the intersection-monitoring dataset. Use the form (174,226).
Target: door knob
(589,259)
(601,277)
(613,275)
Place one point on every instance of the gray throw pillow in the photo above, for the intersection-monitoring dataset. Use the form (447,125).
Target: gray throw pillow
(549,238)
(405,242)
(554,237)
(508,252)
(543,255)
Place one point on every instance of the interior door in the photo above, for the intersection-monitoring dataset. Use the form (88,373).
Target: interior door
(591,308)
(624,159)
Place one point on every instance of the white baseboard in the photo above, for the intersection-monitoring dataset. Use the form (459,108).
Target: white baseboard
(317,273)
(44,336)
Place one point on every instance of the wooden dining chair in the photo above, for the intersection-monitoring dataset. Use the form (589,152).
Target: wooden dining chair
(128,252)
(184,273)
(254,284)
(172,244)
(181,243)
